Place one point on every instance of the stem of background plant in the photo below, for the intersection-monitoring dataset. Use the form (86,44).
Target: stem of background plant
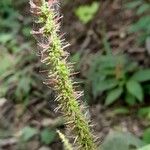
(107,48)
(59,71)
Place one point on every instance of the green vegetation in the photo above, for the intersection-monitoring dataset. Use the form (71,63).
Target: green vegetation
(142,8)
(117,77)
(47,136)
(116,81)
(86,13)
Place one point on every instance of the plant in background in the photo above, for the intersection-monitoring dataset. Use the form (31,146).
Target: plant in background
(144,112)
(142,8)
(147,147)
(16,81)
(86,13)
(59,71)
(46,135)
(118,77)
(146,136)
(123,140)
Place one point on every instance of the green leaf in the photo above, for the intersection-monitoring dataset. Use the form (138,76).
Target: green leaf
(133,4)
(113,95)
(131,67)
(86,12)
(120,110)
(141,75)
(144,112)
(147,147)
(135,89)
(99,86)
(76,58)
(130,99)
(24,86)
(28,133)
(146,136)
(7,61)
(143,8)
(121,141)
(4,38)
(141,24)
(48,136)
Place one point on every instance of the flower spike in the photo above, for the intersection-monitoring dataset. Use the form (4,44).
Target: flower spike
(60,72)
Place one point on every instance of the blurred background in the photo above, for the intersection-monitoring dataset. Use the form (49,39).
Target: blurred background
(110,43)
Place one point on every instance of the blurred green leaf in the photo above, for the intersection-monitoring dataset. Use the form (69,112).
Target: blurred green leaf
(143,8)
(113,95)
(48,136)
(86,12)
(4,38)
(144,112)
(24,86)
(28,132)
(3,90)
(6,61)
(120,110)
(132,67)
(121,141)
(141,75)
(130,99)
(147,147)
(133,4)
(76,58)
(135,89)
(103,85)
(146,136)
(141,25)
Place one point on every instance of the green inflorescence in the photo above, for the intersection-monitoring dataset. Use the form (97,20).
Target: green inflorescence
(59,74)
(67,145)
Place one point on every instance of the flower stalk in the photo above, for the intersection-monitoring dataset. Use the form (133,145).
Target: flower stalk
(59,74)
(67,145)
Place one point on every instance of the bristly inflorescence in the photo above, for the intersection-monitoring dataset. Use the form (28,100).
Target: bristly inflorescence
(59,74)
(67,145)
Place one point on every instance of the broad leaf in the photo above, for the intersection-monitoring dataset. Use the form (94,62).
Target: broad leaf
(143,8)
(130,99)
(121,141)
(6,62)
(142,75)
(103,85)
(28,133)
(142,24)
(86,12)
(48,136)
(24,86)
(144,112)
(120,110)
(133,4)
(113,95)
(146,136)
(147,147)
(135,89)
